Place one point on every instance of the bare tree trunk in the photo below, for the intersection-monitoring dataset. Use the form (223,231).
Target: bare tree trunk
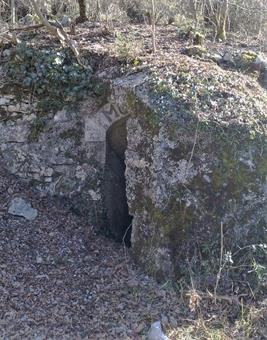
(98,10)
(13,13)
(82,10)
(260,24)
(153,24)
(196,13)
(217,15)
(222,21)
(42,18)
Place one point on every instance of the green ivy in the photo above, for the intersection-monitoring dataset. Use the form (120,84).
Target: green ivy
(53,76)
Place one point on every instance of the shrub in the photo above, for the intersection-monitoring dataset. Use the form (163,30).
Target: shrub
(126,47)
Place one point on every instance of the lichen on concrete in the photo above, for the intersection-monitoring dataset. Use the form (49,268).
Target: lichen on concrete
(204,162)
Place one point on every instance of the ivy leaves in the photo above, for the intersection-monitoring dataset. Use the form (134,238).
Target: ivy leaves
(52,75)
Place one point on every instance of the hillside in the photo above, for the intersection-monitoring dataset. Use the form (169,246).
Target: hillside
(174,141)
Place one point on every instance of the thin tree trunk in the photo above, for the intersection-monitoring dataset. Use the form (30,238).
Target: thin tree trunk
(218,14)
(260,24)
(153,24)
(58,31)
(98,10)
(82,10)
(221,29)
(195,7)
(13,13)
(41,17)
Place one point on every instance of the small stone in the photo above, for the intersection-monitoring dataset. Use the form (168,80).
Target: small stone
(14,108)
(30,117)
(215,57)
(7,53)
(139,328)
(4,101)
(39,260)
(61,116)
(19,207)
(132,283)
(155,332)
(48,172)
(65,21)
(195,50)
(228,58)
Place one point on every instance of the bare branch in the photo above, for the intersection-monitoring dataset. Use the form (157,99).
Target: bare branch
(59,32)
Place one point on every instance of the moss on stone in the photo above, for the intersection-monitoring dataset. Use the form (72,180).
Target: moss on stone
(205,116)
(168,227)
(246,61)
(74,133)
(248,56)
(195,51)
(36,128)
(198,39)
(151,117)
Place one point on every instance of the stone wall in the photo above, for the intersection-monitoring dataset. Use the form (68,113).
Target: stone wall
(63,153)
(60,153)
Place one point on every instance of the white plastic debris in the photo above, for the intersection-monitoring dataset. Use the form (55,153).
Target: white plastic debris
(156,333)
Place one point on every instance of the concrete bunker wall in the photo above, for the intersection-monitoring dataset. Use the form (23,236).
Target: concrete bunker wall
(64,153)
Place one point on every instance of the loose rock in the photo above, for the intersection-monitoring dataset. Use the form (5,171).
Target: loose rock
(20,207)
(155,332)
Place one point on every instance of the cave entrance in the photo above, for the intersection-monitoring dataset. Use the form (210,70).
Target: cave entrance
(118,218)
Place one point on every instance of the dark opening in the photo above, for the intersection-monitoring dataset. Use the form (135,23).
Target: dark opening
(119,220)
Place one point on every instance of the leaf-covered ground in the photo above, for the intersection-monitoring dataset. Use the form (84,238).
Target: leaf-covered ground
(60,280)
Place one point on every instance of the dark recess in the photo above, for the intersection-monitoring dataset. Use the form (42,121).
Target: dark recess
(119,220)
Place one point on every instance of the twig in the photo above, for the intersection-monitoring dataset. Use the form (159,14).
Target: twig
(193,148)
(221,266)
(246,247)
(59,31)
(230,299)
(124,246)
(194,145)
(26,28)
